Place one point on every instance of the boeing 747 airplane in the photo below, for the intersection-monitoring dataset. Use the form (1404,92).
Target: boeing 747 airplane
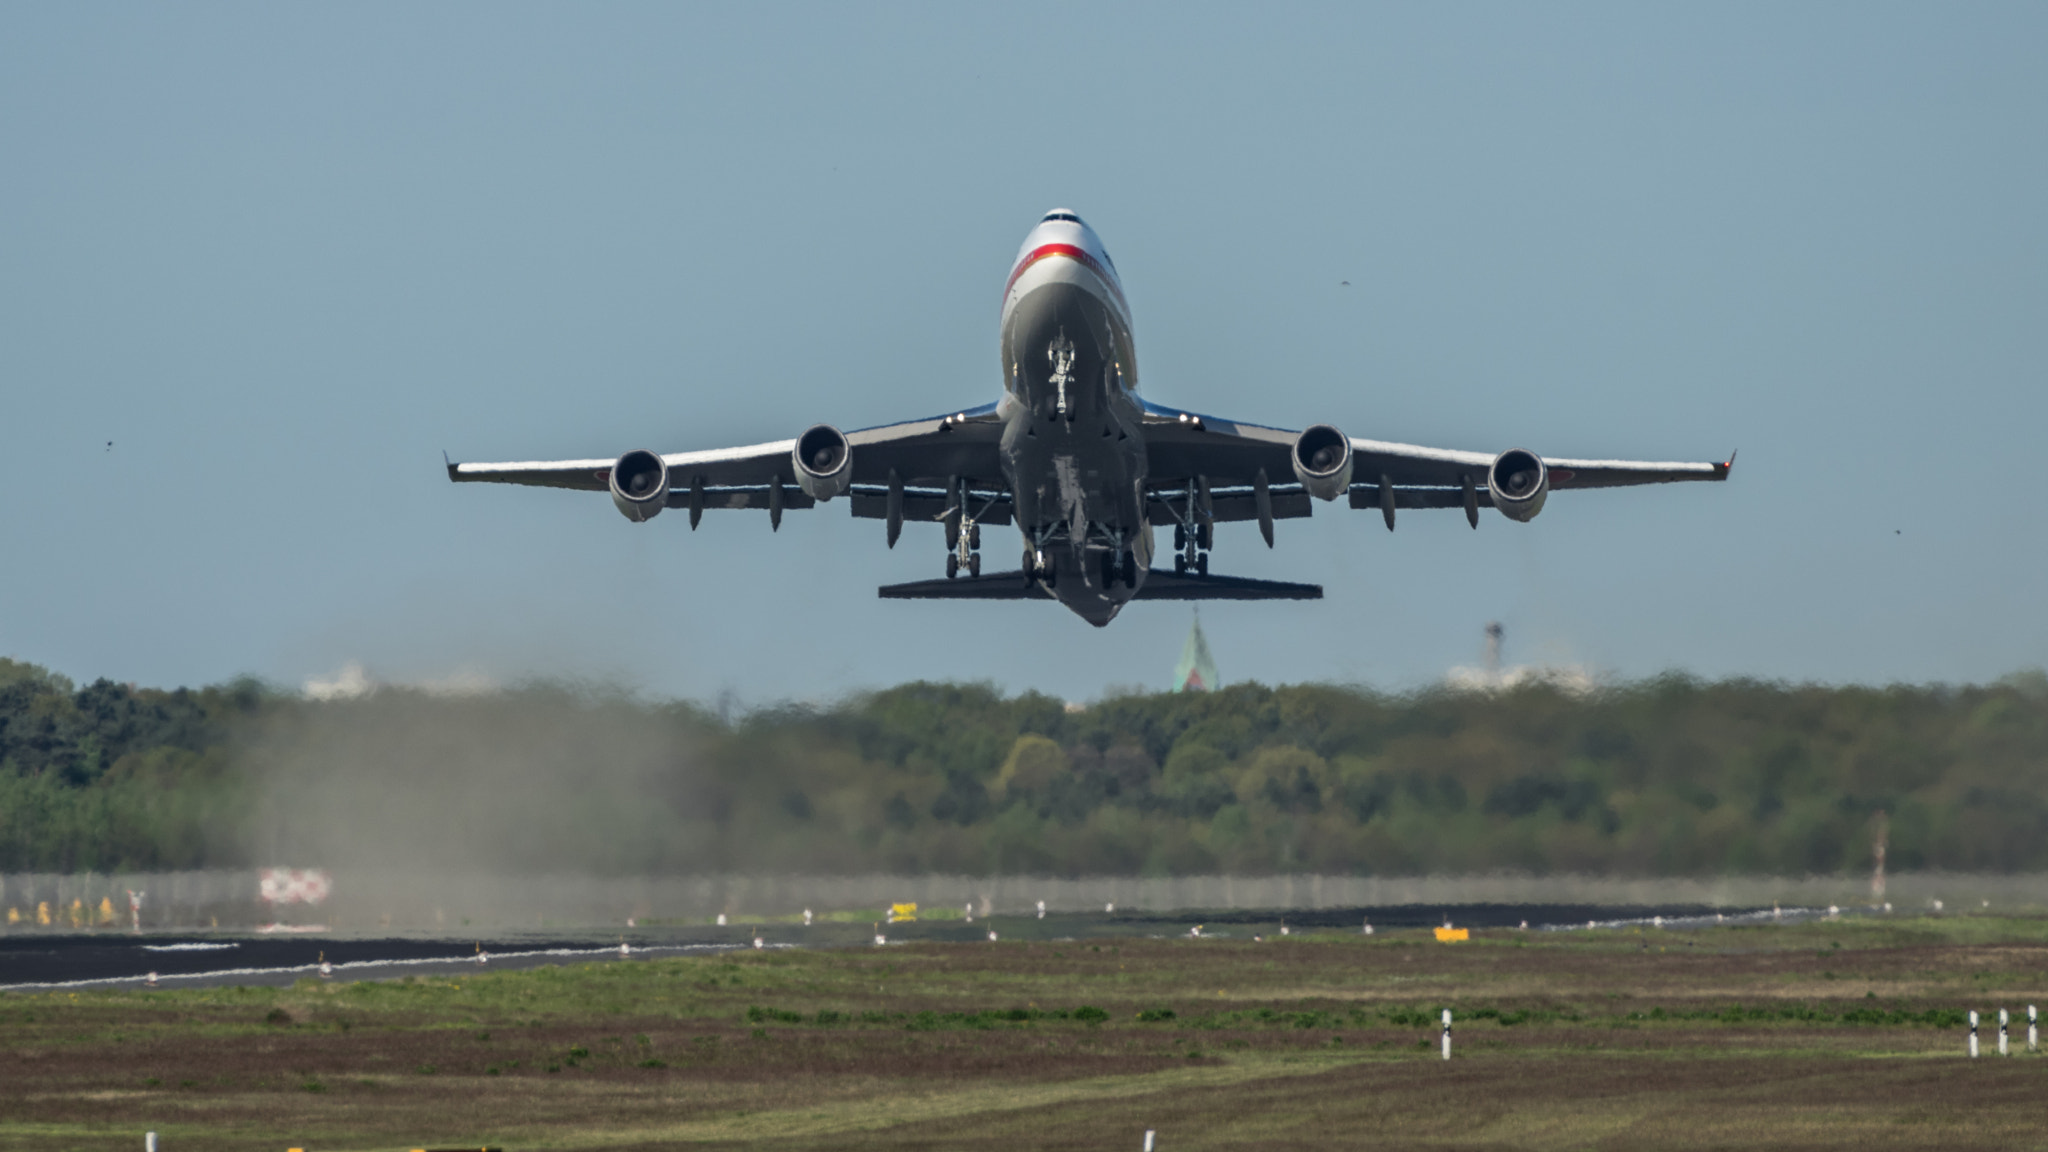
(1080,464)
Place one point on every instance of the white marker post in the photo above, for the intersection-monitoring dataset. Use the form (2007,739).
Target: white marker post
(1447,1033)
(2033,1030)
(807,917)
(1041,909)
(149,1142)
(1973,1033)
(2001,1033)
(1148,1141)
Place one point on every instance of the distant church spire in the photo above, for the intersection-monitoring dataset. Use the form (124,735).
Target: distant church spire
(1196,671)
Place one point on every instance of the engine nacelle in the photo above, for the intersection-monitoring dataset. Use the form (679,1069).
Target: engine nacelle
(1519,481)
(640,486)
(824,462)
(1322,462)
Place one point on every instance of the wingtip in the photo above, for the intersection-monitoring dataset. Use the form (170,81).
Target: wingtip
(448,464)
(1730,465)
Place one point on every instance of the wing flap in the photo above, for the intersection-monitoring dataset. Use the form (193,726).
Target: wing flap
(755,496)
(921,506)
(1234,505)
(1368,496)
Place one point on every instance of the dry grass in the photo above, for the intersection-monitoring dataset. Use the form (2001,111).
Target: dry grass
(1824,1035)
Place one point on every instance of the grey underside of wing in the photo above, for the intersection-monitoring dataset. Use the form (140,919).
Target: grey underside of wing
(919,452)
(1159,585)
(1229,455)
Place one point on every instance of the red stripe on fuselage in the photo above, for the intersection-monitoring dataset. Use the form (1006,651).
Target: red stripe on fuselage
(1071,251)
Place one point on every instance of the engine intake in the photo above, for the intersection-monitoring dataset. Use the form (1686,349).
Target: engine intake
(1519,482)
(1322,462)
(824,462)
(640,486)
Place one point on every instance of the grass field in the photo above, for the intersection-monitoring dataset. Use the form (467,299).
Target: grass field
(1831,1034)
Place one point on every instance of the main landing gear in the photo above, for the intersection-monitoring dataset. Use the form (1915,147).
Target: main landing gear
(1192,548)
(963,531)
(966,552)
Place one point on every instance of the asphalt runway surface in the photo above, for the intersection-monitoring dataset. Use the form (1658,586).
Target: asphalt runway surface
(38,961)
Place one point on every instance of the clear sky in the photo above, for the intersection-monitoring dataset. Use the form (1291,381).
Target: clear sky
(282,256)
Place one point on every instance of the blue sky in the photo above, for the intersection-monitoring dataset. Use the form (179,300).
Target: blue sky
(283,256)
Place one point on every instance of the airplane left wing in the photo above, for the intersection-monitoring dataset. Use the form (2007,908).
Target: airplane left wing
(918,455)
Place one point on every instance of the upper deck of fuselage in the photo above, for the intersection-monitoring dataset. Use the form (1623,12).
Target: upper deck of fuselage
(1063,276)
(1063,247)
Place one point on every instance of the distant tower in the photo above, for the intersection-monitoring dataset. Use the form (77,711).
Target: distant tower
(1196,671)
(1493,634)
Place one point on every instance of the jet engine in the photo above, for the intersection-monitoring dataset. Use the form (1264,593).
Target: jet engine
(640,486)
(1519,482)
(1322,462)
(824,462)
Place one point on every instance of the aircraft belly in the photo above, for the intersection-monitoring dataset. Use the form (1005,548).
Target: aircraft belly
(1074,447)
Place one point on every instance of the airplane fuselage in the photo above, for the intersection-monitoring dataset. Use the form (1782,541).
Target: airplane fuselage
(1073,444)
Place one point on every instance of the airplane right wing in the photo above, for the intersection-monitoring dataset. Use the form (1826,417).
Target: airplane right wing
(1236,467)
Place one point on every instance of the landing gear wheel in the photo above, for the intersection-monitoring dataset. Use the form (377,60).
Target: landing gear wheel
(1204,534)
(974,538)
(1180,563)
(1202,564)
(1130,569)
(952,565)
(1030,567)
(1051,575)
(1180,538)
(974,565)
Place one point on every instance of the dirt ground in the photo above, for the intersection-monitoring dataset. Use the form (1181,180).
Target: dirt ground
(1823,1035)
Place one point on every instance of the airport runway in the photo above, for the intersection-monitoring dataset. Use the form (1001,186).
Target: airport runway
(35,961)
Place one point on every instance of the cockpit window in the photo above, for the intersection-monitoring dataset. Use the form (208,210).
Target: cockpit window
(1068,216)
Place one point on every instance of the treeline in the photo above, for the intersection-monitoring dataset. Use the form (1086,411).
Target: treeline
(1666,776)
